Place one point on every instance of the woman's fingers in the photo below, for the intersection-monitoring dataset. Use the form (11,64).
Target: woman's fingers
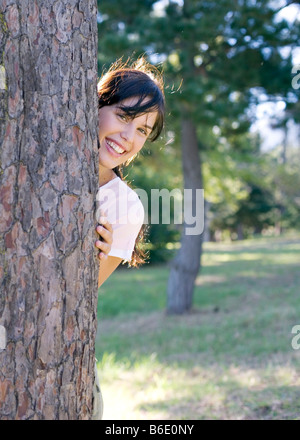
(102,255)
(105,232)
(104,247)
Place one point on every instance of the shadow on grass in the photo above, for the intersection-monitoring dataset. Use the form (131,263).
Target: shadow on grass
(230,358)
(231,402)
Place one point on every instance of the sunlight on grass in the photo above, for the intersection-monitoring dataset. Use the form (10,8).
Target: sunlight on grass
(127,389)
(157,391)
(224,258)
(230,358)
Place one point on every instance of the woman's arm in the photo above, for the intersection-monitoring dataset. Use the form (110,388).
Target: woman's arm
(107,264)
(107,267)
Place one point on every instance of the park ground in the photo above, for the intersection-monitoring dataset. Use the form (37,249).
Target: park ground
(231,357)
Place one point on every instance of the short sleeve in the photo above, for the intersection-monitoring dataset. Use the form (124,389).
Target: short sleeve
(125,234)
(125,212)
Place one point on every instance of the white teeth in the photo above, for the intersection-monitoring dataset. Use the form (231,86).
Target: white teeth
(115,147)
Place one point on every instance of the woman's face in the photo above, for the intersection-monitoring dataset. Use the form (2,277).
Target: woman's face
(121,137)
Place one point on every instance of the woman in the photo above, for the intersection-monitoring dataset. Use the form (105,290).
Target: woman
(131,111)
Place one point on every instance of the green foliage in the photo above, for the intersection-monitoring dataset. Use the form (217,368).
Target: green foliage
(284,179)
(218,59)
(256,210)
(119,29)
(155,168)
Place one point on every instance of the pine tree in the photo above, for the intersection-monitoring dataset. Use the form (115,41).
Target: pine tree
(218,58)
(48,173)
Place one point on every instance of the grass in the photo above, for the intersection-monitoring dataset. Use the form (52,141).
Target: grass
(230,358)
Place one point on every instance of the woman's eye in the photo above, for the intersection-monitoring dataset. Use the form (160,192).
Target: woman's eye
(143,131)
(122,116)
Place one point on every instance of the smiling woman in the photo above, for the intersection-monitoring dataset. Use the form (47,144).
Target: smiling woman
(121,136)
(131,111)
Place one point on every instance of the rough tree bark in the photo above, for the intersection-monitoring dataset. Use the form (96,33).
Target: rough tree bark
(186,264)
(48,172)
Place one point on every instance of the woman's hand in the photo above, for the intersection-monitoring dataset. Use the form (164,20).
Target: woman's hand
(108,264)
(105,232)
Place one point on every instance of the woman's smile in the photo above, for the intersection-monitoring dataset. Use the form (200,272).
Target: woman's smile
(114,148)
(121,137)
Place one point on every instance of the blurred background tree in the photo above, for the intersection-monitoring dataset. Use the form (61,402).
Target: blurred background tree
(220,59)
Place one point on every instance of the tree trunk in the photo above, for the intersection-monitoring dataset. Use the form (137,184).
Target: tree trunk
(240,231)
(186,264)
(48,174)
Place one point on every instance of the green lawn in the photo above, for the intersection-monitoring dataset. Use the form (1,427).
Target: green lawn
(230,358)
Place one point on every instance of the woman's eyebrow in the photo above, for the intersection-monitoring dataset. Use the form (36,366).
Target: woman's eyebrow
(147,126)
(124,109)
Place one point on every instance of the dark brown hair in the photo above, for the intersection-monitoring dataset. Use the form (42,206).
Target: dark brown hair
(126,80)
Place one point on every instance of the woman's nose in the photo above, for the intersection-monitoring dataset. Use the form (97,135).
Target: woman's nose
(128,132)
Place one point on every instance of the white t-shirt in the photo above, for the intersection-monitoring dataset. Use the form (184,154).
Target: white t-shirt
(125,212)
